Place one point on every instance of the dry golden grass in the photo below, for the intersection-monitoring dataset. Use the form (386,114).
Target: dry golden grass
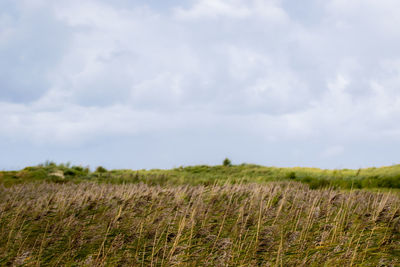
(275,224)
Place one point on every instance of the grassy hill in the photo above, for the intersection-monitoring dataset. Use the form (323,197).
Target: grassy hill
(275,224)
(242,215)
(383,177)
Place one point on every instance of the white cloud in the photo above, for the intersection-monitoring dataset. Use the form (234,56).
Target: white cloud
(233,9)
(213,9)
(251,70)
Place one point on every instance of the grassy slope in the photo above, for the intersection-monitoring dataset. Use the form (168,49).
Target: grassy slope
(384,177)
(276,224)
(57,215)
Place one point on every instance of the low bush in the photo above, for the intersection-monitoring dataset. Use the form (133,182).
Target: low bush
(101,169)
(227,162)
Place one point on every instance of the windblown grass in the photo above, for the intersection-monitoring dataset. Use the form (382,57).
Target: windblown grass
(274,224)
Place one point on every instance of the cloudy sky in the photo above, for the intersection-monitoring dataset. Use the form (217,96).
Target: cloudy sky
(160,84)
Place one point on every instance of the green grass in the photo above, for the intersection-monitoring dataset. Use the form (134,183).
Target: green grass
(233,215)
(276,224)
(383,177)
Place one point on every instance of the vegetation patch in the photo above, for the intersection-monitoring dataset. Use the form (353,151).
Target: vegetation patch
(225,215)
(384,177)
(279,223)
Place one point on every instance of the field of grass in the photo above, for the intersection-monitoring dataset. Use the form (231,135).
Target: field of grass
(275,224)
(384,177)
(243,215)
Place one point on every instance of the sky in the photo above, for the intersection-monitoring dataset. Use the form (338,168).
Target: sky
(163,84)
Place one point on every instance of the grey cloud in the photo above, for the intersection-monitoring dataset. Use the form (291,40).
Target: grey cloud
(160,84)
(35,44)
